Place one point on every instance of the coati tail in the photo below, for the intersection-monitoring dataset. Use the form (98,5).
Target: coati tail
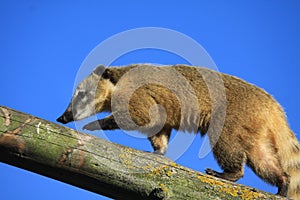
(291,164)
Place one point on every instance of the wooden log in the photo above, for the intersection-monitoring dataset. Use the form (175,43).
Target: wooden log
(103,167)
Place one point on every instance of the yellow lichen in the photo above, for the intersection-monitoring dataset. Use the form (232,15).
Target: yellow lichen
(163,187)
(127,150)
(126,160)
(210,181)
(163,170)
(173,164)
(122,156)
(147,167)
(219,186)
(248,194)
(159,170)
(168,173)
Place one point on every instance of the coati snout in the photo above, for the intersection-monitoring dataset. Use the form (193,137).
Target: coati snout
(65,118)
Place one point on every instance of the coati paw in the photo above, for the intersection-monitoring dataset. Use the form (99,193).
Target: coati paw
(107,123)
(159,152)
(95,125)
(230,176)
(211,172)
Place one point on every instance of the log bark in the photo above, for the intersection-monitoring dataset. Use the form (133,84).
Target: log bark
(103,167)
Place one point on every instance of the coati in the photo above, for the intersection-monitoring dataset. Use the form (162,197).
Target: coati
(254,131)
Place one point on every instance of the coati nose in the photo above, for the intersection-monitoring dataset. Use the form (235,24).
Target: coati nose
(62,119)
(66,117)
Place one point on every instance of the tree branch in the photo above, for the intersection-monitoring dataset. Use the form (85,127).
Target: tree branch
(103,167)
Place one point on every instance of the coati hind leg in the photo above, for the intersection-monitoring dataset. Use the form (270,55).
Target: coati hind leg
(232,164)
(160,141)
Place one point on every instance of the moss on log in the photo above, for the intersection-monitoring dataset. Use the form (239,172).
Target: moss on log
(103,167)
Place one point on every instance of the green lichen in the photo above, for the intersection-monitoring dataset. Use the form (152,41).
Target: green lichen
(16,120)
(38,136)
(3,128)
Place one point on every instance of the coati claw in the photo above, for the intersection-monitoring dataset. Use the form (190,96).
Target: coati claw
(210,172)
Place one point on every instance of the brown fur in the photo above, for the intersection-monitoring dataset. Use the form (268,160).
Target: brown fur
(255,131)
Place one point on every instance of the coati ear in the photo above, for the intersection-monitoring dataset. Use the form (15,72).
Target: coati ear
(99,70)
(108,74)
(105,73)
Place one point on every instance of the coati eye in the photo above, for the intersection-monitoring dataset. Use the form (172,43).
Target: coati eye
(81,94)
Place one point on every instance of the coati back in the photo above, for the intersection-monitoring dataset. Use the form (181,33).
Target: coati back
(255,130)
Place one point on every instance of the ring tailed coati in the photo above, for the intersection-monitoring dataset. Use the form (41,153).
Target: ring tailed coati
(254,132)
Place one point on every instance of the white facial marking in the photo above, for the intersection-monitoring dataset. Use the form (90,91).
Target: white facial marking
(88,111)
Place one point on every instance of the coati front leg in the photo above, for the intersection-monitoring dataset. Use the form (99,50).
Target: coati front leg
(107,123)
(160,141)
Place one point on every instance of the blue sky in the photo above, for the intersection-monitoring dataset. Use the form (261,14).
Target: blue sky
(43,44)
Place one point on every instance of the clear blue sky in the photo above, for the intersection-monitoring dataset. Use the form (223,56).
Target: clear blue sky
(43,44)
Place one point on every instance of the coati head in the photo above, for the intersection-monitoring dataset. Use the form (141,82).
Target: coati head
(90,97)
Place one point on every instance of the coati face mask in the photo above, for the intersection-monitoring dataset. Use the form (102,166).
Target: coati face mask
(88,98)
